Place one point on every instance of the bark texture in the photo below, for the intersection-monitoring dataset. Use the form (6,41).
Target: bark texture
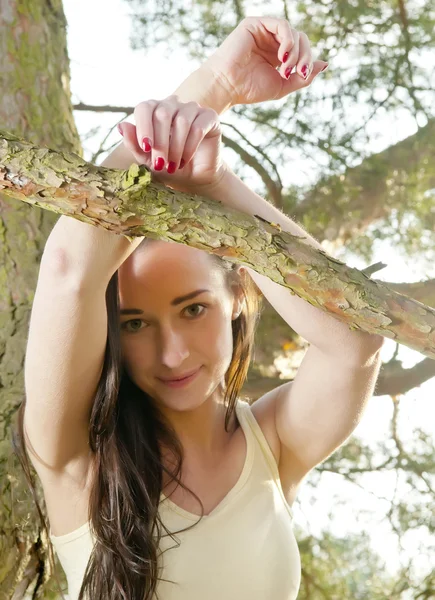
(129,203)
(34,102)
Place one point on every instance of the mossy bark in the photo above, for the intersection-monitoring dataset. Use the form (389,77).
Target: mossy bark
(35,102)
(130,203)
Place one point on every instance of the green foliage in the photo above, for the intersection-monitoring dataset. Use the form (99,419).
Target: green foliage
(345,568)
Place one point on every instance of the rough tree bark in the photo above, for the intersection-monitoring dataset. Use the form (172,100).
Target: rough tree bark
(341,207)
(129,203)
(35,102)
(348,204)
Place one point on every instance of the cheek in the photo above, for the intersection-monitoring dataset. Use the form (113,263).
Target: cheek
(135,353)
(221,344)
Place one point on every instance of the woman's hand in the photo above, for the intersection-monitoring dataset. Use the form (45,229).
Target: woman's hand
(179,142)
(246,62)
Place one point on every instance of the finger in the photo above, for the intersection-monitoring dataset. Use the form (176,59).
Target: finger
(206,124)
(296,82)
(179,133)
(279,28)
(291,52)
(304,64)
(287,38)
(143,115)
(163,116)
(129,134)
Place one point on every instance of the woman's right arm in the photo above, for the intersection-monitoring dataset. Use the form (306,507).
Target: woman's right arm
(88,254)
(66,343)
(68,324)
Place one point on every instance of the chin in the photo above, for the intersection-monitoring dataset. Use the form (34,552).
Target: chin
(178,404)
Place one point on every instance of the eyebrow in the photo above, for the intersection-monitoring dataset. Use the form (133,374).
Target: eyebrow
(174,302)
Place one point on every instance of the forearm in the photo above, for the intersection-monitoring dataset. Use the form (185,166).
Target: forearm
(201,86)
(313,324)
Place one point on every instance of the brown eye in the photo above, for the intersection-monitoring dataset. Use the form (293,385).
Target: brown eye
(135,330)
(203,306)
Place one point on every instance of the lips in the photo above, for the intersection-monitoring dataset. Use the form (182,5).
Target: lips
(185,376)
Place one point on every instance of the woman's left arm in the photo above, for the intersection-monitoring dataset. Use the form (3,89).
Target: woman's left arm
(316,326)
(252,65)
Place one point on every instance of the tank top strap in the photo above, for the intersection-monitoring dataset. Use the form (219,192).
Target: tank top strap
(250,424)
(255,429)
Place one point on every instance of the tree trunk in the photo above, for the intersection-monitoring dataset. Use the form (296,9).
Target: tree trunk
(35,103)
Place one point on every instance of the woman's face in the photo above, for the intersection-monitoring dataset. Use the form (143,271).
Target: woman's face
(173,336)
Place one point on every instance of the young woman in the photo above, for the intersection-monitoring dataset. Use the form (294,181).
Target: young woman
(159,480)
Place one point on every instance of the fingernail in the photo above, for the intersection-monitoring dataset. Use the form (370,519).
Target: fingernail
(171,167)
(120,129)
(304,71)
(146,144)
(285,57)
(287,72)
(159,163)
(324,68)
(182,163)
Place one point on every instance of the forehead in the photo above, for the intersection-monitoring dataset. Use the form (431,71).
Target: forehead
(167,267)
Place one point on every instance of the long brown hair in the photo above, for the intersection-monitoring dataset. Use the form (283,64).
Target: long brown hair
(124,433)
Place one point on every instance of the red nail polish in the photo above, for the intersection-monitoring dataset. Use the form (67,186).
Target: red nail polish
(171,167)
(287,72)
(304,71)
(324,68)
(182,163)
(120,129)
(285,57)
(159,163)
(146,144)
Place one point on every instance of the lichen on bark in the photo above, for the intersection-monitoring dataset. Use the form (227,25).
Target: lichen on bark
(130,203)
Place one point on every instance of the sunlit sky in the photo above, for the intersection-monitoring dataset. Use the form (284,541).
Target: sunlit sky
(105,70)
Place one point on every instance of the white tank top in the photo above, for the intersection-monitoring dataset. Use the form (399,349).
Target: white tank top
(245,549)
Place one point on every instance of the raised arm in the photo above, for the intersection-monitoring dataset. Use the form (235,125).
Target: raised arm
(262,59)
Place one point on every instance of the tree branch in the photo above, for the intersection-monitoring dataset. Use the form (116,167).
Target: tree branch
(393,379)
(128,110)
(131,204)
(272,187)
(341,207)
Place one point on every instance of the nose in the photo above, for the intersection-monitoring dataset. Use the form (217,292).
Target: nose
(173,348)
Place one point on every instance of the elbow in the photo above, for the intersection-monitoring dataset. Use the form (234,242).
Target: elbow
(367,350)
